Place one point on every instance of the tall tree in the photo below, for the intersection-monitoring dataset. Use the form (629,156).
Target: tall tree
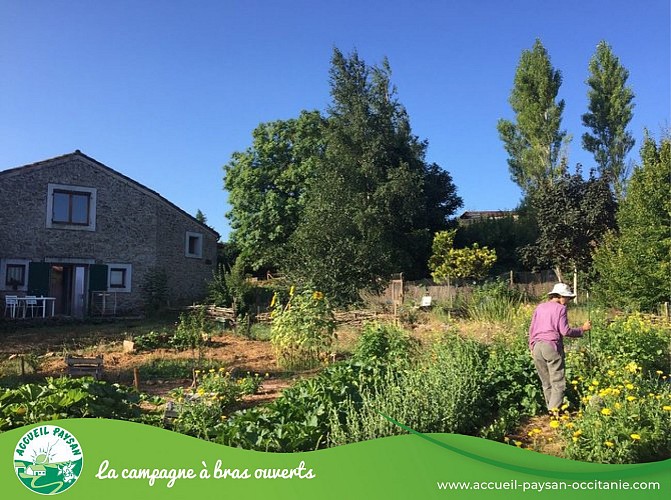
(573,216)
(374,202)
(610,111)
(634,265)
(534,142)
(266,185)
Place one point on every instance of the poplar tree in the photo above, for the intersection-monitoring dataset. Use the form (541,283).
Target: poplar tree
(534,141)
(610,111)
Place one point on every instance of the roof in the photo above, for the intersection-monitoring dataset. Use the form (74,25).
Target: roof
(78,154)
(483,214)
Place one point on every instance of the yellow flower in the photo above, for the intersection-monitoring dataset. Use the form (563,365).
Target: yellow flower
(595,383)
(577,433)
(564,406)
(518,443)
(575,439)
(632,367)
(617,406)
(666,408)
(611,373)
(273,300)
(291,291)
(554,424)
(606,411)
(570,425)
(631,398)
(630,386)
(610,444)
(635,437)
(317,295)
(659,372)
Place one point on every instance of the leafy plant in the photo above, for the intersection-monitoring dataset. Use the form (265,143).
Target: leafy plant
(384,342)
(302,330)
(59,398)
(192,330)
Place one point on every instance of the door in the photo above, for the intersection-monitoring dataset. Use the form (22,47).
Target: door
(78,291)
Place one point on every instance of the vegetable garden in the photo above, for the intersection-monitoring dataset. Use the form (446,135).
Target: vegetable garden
(447,374)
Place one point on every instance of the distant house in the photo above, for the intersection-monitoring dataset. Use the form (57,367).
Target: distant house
(479,215)
(77,230)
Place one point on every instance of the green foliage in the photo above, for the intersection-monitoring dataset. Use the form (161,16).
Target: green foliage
(299,419)
(494,302)
(380,342)
(302,330)
(534,141)
(503,235)
(201,411)
(192,330)
(340,202)
(266,185)
(622,341)
(448,262)
(573,215)
(60,398)
(624,418)
(610,111)
(151,340)
(633,266)
(618,376)
(444,392)
(154,289)
(515,390)
(218,289)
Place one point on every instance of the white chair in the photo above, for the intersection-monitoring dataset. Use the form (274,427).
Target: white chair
(11,305)
(31,303)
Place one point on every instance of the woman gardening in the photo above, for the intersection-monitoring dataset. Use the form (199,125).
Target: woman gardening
(549,326)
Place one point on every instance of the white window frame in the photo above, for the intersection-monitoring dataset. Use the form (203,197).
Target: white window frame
(92,193)
(198,254)
(128,268)
(3,274)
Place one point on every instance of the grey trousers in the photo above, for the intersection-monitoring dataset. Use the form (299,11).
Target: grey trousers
(550,366)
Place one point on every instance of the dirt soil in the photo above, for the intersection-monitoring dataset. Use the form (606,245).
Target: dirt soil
(48,348)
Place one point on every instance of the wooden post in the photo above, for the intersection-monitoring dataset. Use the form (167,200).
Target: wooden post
(136,379)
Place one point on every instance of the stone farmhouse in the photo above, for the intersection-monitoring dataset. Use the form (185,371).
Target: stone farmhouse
(76,230)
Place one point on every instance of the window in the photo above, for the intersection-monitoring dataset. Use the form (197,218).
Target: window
(194,245)
(14,274)
(119,277)
(71,207)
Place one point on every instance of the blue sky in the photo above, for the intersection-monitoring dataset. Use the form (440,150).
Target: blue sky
(165,91)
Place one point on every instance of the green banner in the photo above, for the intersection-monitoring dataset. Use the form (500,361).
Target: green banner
(108,459)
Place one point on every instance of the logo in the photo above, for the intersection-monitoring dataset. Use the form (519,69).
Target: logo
(48,460)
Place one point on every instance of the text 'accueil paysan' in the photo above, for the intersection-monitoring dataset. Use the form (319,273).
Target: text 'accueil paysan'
(48,460)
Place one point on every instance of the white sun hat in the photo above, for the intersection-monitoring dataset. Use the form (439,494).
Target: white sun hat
(563,290)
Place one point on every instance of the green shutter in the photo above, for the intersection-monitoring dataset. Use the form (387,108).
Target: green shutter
(38,278)
(98,278)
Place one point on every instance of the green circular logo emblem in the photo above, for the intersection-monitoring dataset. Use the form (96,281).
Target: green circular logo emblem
(48,460)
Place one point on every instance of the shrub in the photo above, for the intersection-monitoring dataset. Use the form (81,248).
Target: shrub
(384,342)
(445,392)
(192,330)
(494,302)
(302,330)
(625,417)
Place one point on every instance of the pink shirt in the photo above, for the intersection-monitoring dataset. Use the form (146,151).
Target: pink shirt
(550,324)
